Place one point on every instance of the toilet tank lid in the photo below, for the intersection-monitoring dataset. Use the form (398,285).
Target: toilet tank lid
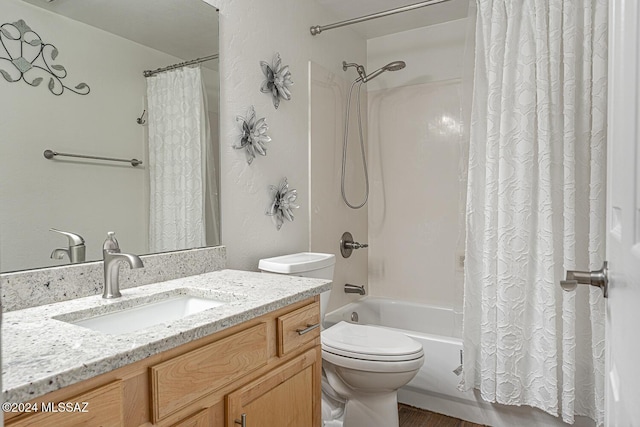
(297,263)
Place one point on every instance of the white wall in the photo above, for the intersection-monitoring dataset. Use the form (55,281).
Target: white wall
(416,152)
(330,216)
(96,196)
(251,31)
(433,53)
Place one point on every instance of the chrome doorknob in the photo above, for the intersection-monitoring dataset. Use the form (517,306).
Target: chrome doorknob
(599,278)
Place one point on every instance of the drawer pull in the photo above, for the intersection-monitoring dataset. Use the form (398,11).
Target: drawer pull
(309,328)
(242,421)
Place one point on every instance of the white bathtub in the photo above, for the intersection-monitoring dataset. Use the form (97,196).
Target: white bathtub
(435,386)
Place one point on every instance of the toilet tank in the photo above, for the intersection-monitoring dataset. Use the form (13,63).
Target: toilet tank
(304,264)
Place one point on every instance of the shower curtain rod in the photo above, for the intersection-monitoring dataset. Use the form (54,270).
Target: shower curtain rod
(317,29)
(149,73)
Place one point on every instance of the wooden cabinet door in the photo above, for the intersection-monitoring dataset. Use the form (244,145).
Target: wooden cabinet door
(100,407)
(289,396)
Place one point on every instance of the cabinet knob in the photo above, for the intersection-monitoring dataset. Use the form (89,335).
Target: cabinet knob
(242,421)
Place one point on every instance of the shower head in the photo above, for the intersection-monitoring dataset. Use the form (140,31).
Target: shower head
(395,66)
(391,66)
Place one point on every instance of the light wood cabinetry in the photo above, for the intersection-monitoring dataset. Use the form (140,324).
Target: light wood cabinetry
(262,368)
(201,419)
(285,397)
(297,328)
(183,379)
(99,407)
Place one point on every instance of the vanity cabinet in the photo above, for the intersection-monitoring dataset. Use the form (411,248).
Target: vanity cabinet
(101,406)
(188,377)
(268,368)
(284,397)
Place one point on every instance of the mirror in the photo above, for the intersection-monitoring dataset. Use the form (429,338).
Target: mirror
(106,46)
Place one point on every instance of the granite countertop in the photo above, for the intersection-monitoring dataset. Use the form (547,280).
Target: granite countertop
(41,354)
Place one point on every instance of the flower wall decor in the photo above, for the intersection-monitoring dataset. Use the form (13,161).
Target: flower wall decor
(24,56)
(278,80)
(254,135)
(282,202)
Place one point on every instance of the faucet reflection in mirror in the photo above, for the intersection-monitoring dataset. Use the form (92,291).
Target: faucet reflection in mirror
(76,250)
(30,59)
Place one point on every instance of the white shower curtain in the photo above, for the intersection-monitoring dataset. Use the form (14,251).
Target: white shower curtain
(535,205)
(178,143)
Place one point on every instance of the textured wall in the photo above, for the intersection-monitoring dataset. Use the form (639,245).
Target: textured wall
(251,31)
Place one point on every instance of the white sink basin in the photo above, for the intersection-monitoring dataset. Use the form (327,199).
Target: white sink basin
(141,317)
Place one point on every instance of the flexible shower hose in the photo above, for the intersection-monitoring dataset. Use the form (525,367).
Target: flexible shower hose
(344,149)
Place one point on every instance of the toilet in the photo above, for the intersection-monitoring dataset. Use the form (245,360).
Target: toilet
(363,366)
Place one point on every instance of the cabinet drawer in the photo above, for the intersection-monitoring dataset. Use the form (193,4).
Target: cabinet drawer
(103,408)
(180,381)
(294,328)
(201,419)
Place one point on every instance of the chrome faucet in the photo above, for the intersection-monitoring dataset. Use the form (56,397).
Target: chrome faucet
(76,250)
(112,258)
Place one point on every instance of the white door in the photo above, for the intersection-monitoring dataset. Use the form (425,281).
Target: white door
(623,217)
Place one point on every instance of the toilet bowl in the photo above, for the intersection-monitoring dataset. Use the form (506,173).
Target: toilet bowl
(363,366)
(366,365)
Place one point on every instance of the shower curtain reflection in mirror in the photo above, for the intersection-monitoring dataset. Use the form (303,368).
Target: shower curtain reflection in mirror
(183,211)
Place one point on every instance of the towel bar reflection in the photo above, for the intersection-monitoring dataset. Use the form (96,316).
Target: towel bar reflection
(50,154)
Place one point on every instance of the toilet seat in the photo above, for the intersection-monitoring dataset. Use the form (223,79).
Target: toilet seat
(369,343)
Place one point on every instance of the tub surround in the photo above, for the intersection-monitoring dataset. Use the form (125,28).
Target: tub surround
(31,288)
(42,354)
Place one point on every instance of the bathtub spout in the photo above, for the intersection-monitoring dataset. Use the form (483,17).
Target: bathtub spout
(354,289)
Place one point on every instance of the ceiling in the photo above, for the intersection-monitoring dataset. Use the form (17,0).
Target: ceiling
(187,29)
(429,15)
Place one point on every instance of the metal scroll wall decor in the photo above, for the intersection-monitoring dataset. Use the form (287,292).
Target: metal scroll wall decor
(277,80)
(282,203)
(24,56)
(253,135)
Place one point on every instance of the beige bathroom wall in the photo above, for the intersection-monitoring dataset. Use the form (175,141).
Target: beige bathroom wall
(330,216)
(417,154)
(252,31)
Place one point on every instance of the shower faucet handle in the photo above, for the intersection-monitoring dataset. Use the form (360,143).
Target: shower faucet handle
(347,245)
(355,245)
